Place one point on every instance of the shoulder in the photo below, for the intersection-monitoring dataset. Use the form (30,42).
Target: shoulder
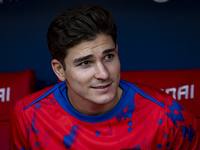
(156,100)
(26,106)
(149,94)
(171,115)
(172,108)
(35,97)
(27,100)
(158,94)
(169,106)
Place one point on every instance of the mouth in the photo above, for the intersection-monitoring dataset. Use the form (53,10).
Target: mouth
(101,86)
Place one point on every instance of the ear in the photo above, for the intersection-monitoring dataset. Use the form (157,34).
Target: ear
(58,69)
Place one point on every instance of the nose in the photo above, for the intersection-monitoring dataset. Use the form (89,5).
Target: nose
(101,71)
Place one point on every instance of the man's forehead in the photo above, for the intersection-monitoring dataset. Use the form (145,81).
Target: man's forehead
(100,45)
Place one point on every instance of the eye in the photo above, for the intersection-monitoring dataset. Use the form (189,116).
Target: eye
(109,56)
(84,63)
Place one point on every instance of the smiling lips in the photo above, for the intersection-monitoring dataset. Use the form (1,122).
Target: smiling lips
(102,87)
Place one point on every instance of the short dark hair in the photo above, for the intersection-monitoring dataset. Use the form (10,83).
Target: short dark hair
(76,24)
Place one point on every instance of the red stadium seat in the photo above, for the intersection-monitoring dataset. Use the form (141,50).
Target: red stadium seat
(13,86)
(183,85)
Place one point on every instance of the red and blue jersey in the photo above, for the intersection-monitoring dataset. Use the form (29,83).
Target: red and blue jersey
(144,118)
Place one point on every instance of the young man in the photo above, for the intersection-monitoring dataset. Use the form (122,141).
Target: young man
(92,108)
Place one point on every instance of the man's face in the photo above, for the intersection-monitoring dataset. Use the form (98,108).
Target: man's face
(92,71)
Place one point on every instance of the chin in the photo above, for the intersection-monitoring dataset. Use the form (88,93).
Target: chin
(104,100)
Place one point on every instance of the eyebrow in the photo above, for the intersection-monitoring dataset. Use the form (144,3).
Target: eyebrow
(81,59)
(109,50)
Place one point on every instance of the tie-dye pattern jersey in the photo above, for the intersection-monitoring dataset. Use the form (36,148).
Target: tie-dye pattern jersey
(144,118)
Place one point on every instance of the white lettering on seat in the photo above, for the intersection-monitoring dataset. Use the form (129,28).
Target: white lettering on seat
(183,90)
(5,94)
(187,91)
(173,90)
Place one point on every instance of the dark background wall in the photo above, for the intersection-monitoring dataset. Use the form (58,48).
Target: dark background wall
(151,36)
